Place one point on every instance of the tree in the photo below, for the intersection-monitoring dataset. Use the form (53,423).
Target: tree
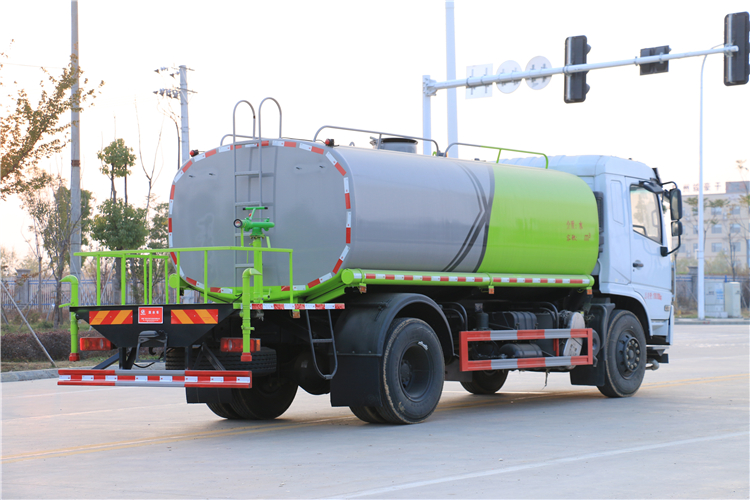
(119,226)
(50,212)
(117,159)
(29,133)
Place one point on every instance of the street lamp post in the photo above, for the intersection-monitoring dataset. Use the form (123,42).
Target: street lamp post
(701,237)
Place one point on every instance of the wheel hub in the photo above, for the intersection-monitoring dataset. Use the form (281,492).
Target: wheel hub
(628,354)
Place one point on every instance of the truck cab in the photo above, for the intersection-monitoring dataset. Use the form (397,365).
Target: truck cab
(635,269)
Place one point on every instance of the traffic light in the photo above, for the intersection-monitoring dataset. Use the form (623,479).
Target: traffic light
(657,67)
(576,49)
(737,64)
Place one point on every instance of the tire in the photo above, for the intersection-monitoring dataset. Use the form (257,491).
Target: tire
(175,359)
(368,414)
(486,382)
(267,399)
(412,372)
(625,356)
(224,410)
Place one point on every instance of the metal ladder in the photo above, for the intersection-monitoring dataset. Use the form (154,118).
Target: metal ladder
(317,341)
(241,203)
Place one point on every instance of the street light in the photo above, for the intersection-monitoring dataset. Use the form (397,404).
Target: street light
(701,294)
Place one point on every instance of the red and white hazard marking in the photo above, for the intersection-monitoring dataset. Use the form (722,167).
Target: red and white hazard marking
(298,307)
(522,363)
(157,378)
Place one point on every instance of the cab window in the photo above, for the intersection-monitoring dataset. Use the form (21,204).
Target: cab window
(644,206)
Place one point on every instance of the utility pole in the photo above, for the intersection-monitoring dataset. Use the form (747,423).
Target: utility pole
(184,112)
(450,53)
(75,154)
(182,95)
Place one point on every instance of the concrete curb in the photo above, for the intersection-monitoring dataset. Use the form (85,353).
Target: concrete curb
(51,373)
(712,321)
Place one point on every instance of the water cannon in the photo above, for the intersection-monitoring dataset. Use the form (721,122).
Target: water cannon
(255,228)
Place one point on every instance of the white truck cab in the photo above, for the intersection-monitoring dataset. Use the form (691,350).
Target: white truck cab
(635,265)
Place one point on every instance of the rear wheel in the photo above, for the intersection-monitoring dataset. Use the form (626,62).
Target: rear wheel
(367,414)
(486,382)
(224,410)
(267,399)
(625,356)
(412,372)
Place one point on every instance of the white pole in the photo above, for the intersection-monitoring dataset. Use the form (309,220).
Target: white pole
(75,155)
(426,117)
(185,139)
(450,48)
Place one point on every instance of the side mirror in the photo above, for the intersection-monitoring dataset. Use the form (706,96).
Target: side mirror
(675,207)
(676,228)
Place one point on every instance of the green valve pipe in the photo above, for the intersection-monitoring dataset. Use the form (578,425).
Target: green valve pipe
(74,355)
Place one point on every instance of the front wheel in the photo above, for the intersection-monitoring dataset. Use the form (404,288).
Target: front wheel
(625,356)
(412,372)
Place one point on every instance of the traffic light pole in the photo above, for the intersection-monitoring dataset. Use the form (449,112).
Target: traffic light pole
(432,87)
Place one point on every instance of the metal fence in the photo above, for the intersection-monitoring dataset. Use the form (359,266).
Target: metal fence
(29,295)
(687,289)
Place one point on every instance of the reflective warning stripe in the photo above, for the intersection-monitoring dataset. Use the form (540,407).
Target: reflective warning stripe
(291,307)
(121,317)
(194,316)
(522,363)
(157,378)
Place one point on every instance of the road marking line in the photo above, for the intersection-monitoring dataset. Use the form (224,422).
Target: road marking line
(537,465)
(253,430)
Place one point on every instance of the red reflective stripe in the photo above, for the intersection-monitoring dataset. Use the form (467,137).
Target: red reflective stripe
(348,235)
(576,281)
(484,364)
(171,193)
(174,257)
(409,277)
(530,334)
(187,166)
(531,362)
(285,288)
(109,318)
(288,144)
(348,200)
(210,153)
(191,281)
(462,279)
(317,150)
(313,283)
(264,143)
(369,276)
(444,278)
(214,289)
(338,265)
(340,168)
(169,223)
(390,277)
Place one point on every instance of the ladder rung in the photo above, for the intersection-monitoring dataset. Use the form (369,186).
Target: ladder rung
(322,341)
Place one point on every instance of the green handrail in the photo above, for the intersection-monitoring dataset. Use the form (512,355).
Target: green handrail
(74,355)
(499,151)
(148,255)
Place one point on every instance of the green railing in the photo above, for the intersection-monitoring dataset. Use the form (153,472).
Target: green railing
(175,281)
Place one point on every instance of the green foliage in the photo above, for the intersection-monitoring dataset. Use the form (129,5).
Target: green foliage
(119,226)
(50,212)
(158,237)
(117,158)
(29,133)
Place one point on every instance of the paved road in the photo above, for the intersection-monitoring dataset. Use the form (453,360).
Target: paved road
(684,435)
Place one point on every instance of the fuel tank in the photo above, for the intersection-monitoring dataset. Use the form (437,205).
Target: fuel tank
(345,207)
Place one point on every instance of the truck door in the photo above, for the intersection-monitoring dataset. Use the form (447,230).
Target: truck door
(651,273)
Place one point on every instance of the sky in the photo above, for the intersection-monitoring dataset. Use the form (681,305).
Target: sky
(360,64)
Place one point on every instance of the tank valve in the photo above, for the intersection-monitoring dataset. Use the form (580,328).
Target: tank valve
(255,227)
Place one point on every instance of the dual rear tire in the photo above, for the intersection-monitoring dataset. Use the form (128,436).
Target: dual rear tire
(412,374)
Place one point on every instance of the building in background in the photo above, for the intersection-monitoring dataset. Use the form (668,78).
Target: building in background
(726,220)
